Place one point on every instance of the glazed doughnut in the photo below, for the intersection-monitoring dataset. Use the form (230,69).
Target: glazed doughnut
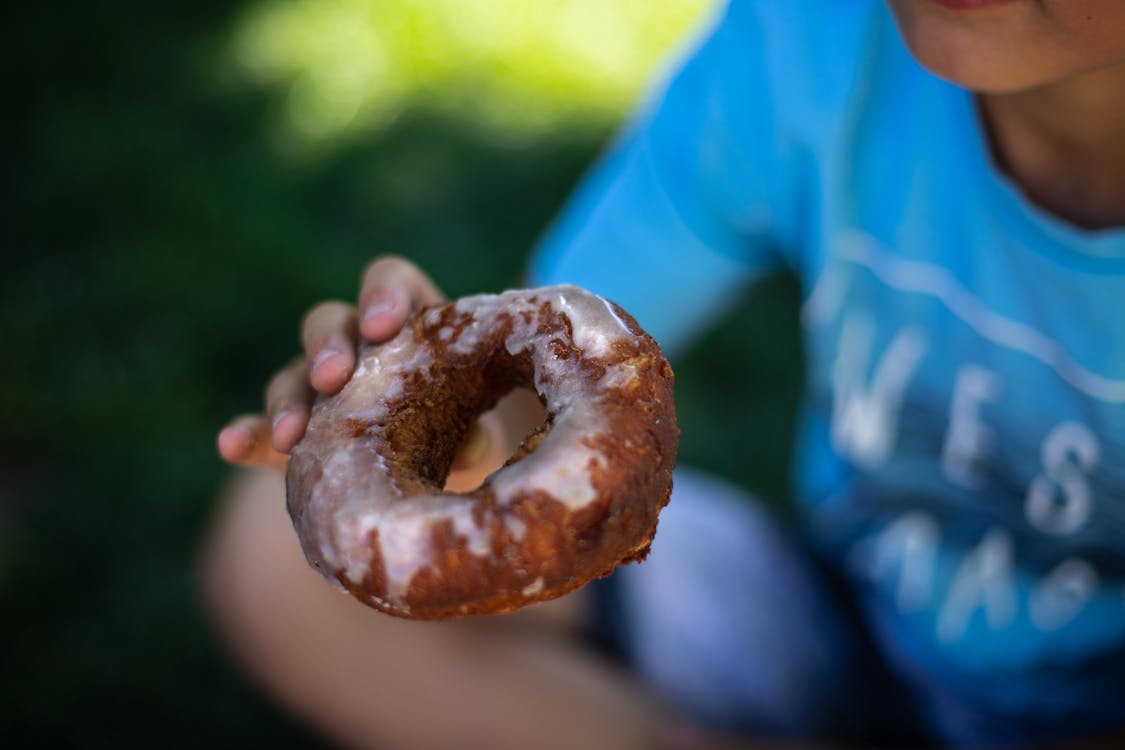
(580,495)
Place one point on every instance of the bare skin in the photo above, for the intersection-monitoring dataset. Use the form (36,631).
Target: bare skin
(1050,81)
(1074,166)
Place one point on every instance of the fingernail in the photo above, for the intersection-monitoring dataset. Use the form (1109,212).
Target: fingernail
(282,439)
(238,435)
(380,305)
(322,356)
(277,420)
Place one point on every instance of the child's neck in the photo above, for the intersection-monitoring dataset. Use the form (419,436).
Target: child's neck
(1064,144)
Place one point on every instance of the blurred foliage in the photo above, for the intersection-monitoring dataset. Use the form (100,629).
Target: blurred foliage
(159,249)
(514,65)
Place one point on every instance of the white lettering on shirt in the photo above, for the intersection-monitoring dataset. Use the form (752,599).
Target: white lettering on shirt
(982,582)
(865,415)
(969,585)
(969,441)
(903,556)
(1061,596)
(907,547)
(1059,500)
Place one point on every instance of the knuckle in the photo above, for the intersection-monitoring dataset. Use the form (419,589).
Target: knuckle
(323,313)
(280,402)
(386,262)
(274,388)
(308,320)
(388,268)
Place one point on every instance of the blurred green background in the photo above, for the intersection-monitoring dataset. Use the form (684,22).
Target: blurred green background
(185,179)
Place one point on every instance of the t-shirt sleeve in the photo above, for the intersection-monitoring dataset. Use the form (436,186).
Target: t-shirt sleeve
(694,199)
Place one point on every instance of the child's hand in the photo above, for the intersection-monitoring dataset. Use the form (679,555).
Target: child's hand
(391,290)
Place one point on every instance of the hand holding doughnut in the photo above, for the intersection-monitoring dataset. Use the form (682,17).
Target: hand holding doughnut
(580,495)
(392,289)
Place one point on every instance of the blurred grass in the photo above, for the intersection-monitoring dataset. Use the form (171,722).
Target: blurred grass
(161,241)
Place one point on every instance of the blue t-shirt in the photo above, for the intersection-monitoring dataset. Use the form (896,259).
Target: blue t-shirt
(962,451)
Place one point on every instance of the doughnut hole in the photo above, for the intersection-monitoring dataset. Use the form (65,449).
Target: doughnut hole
(517,423)
(427,430)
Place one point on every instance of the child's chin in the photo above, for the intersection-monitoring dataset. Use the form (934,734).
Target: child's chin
(1004,47)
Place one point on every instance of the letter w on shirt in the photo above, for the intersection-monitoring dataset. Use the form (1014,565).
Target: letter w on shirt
(865,412)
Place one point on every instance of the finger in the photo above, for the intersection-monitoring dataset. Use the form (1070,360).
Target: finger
(392,288)
(288,400)
(328,335)
(473,448)
(245,441)
(482,452)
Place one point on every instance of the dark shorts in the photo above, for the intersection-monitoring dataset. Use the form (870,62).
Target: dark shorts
(733,623)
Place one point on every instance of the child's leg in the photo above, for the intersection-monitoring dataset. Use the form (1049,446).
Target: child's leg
(367,679)
(730,620)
